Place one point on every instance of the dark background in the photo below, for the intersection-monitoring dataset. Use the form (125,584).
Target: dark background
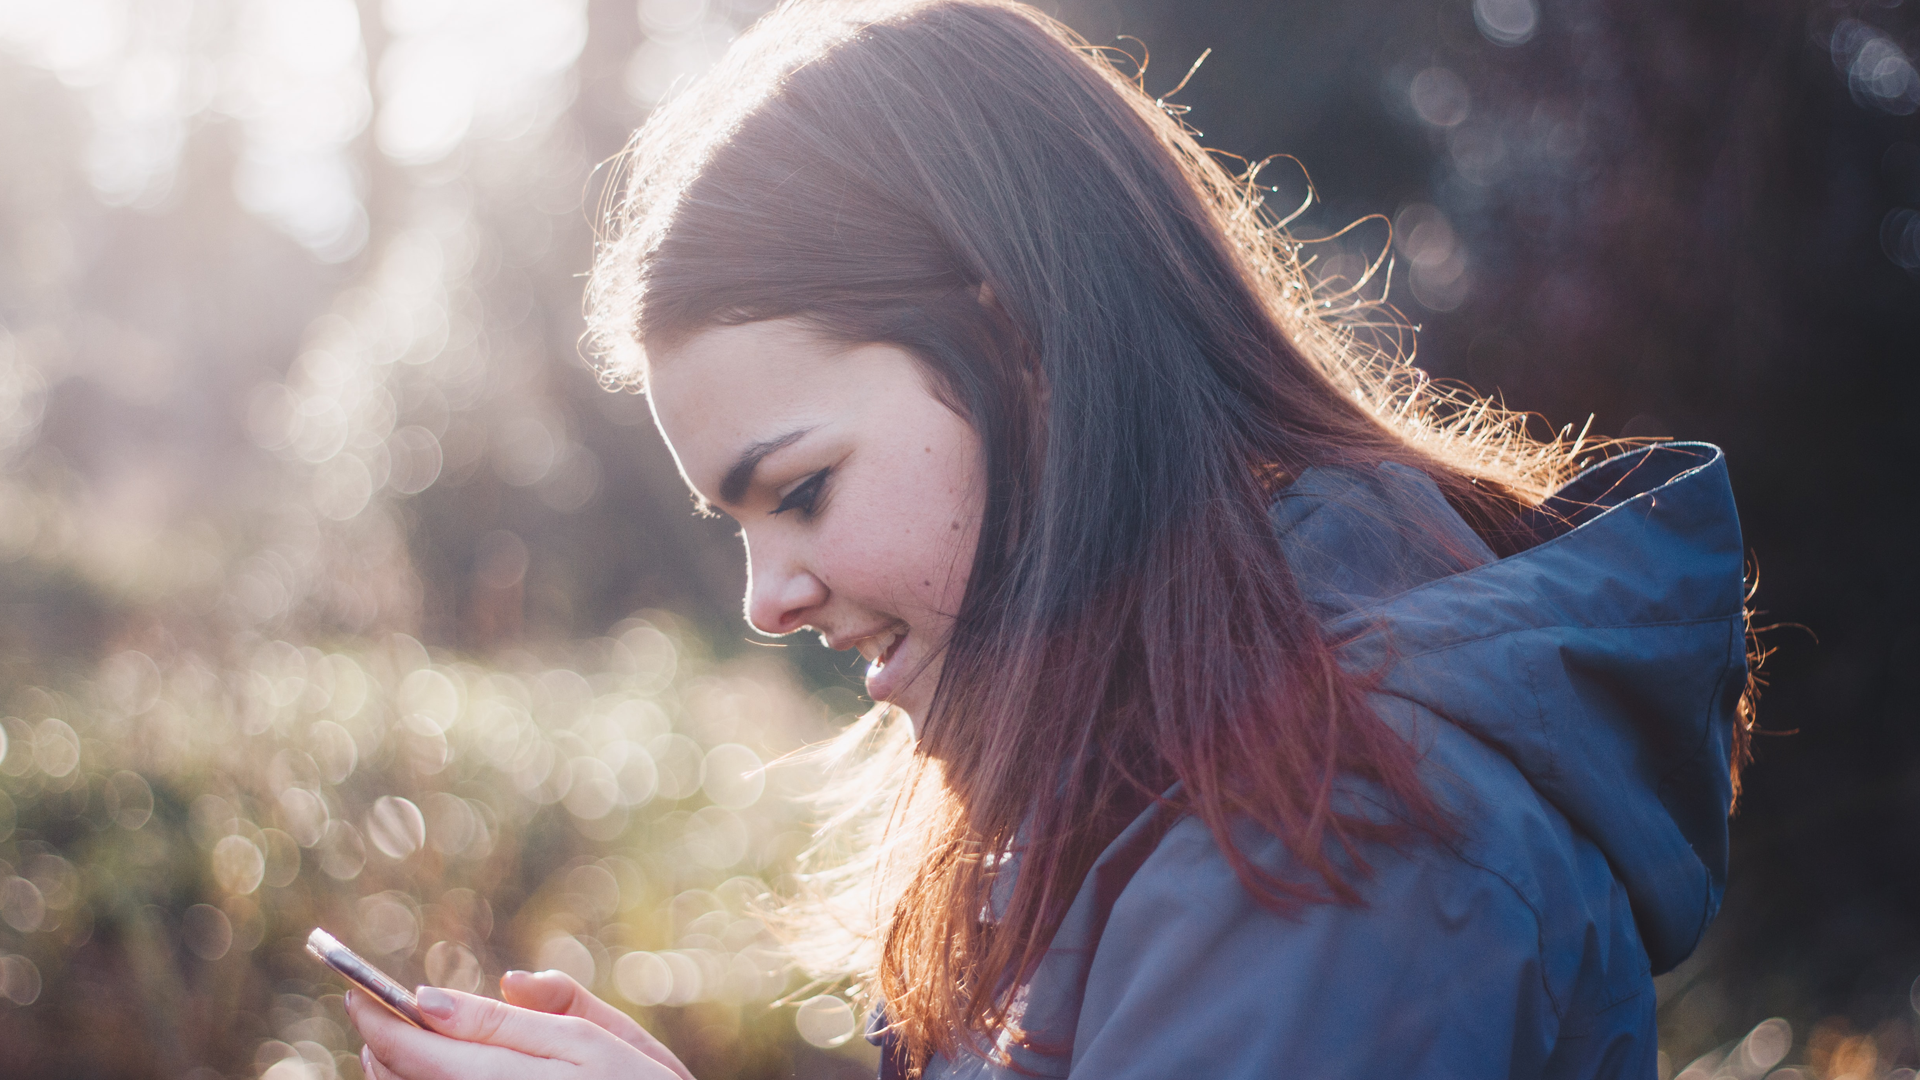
(1693,219)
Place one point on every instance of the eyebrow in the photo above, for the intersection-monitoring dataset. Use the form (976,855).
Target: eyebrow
(740,475)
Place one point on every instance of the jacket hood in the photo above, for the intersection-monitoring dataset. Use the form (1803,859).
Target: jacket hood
(1606,661)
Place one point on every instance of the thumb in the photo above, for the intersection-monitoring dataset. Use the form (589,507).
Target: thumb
(482,1020)
(544,991)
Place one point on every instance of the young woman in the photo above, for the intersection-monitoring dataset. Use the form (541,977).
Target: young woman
(1258,710)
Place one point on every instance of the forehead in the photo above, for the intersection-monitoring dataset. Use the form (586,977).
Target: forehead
(726,376)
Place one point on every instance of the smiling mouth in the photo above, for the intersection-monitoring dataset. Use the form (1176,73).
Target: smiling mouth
(880,648)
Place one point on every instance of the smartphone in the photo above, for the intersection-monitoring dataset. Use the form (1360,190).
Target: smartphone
(327,949)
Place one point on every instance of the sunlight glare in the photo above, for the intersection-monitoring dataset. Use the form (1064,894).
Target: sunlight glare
(490,67)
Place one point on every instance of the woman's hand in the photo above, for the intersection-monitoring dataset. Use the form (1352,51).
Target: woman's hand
(549,1028)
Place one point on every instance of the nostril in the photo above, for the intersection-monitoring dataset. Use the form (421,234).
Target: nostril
(787,610)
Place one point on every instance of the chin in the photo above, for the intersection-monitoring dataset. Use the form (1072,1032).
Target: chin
(914,698)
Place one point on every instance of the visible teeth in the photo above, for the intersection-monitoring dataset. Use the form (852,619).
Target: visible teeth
(875,647)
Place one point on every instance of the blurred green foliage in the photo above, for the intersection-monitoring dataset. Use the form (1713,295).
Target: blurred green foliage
(168,837)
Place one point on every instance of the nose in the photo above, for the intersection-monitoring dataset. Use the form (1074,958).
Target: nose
(782,594)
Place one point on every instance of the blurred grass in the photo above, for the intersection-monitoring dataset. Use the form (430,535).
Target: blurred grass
(169,834)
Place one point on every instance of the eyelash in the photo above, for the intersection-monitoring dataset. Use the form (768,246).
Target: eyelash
(806,497)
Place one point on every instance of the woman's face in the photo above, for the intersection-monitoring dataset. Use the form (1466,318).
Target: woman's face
(858,492)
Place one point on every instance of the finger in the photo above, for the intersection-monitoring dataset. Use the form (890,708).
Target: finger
(370,1066)
(543,991)
(558,992)
(379,1030)
(404,1052)
(471,1018)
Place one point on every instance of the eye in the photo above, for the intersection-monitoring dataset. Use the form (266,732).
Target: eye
(805,497)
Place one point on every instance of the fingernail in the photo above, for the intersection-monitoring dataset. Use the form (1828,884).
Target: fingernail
(435,1002)
(366,1062)
(350,999)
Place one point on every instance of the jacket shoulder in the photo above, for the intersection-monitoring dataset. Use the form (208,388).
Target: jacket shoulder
(1489,949)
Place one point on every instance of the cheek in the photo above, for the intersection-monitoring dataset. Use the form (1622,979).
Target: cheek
(899,560)
(950,529)
(943,539)
(906,552)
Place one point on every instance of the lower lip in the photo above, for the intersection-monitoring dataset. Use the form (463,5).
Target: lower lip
(883,675)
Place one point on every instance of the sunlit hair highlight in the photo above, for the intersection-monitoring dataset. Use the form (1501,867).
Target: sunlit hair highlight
(1147,360)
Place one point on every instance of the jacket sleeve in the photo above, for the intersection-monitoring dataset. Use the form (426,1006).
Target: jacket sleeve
(1440,974)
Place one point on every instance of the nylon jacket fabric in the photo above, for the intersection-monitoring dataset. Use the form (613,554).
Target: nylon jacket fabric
(1573,705)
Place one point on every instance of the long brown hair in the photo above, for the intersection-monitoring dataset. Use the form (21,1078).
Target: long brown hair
(1134,338)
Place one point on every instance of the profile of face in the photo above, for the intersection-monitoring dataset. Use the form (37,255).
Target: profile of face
(857,491)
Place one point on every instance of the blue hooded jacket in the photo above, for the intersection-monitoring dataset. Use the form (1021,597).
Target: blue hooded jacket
(1573,705)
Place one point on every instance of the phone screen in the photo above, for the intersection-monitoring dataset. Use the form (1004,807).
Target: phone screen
(327,949)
